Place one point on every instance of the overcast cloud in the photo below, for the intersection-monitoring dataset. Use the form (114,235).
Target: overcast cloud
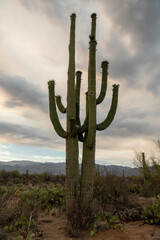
(34,49)
(21,93)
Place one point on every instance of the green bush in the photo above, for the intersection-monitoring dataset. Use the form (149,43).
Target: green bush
(47,198)
(29,201)
(23,223)
(51,197)
(151,212)
(111,189)
(10,178)
(135,189)
(110,220)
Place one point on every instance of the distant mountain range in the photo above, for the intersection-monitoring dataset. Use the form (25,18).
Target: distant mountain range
(59,168)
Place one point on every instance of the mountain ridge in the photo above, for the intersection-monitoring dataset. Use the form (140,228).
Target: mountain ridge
(59,168)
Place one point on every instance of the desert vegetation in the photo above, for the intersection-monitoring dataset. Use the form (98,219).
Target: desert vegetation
(23,196)
(116,200)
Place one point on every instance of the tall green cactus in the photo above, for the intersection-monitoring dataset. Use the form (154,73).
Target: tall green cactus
(72,165)
(88,158)
(86,132)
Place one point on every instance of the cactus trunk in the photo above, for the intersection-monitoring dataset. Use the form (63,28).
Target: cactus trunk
(72,165)
(87,176)
(88,157)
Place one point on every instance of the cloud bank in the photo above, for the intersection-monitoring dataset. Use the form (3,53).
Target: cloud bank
(35,49)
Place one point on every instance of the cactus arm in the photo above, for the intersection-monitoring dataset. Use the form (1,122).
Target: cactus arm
(77,100)
(104,82)
(84,127)
(105,124)
(77,96)
(146,168)
(80,137)
(60,106)
(92,86)
(53,112)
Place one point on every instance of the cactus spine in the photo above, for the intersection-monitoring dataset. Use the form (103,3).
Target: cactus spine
(87,132)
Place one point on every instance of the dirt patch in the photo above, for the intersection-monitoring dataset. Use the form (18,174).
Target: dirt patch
(54,228)
(132,231)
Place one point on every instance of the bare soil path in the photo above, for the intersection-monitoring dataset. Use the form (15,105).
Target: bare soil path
(54,228)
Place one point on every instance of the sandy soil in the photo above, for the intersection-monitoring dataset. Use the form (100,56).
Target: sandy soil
(54,228)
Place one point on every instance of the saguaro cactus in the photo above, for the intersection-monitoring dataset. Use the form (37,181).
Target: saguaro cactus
(72,165)
(87,132)
(88,159)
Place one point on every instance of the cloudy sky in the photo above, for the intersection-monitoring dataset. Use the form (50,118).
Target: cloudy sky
(34,36)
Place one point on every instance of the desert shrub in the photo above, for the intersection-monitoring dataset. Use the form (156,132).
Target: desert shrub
(45,177)
(135,189)
(109,218)
(154,185)
(8,205)
(27,237)
(10,178)
(110,221)
(110,189)
(28,201)
(138,180)
(22,224)
(149,169)
(15,174)
(59,179)
(46,198)
(51,197)
(151,212)
(4,177)
(148,188)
